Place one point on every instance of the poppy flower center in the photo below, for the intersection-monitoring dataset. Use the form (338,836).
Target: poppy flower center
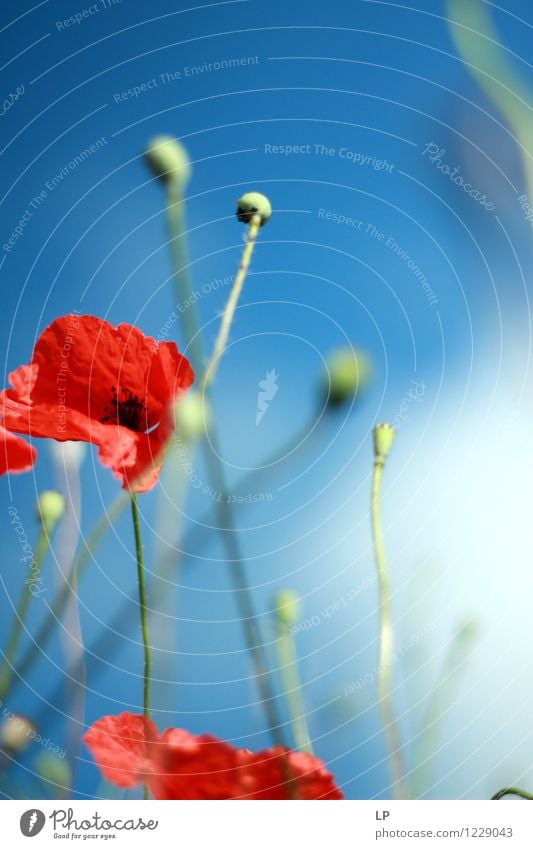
(126,410)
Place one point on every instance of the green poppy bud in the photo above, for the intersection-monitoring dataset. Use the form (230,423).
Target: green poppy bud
(253,203)
(347,373)
(168,160)
(468,632)
(191,415)
(16,732)
(50,508)
(383,439)
(288,607)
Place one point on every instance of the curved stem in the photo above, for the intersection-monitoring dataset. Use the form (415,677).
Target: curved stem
(242,591)
(249,618)
(105,643)
(180,262)
(142,606)
(227,528)
(21,611)
(439,701)
(229,310)
(62,596)
(142,603)
(291,684)
(385,636)
(71,636)
(512,791)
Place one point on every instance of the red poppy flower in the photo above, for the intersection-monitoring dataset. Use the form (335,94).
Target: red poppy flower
(15,453)
(112,386)
(178,765)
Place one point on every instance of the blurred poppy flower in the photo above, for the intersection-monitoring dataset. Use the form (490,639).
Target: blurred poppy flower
(111,386)
(15,453)
(179,765)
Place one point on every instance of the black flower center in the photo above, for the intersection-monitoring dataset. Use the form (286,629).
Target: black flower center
(126,410)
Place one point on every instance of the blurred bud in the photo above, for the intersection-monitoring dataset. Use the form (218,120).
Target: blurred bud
(464,641)
(50,508)
(191,415)
(468,632)
(168,160)
(347,373)
(68,455)
(288,607)
(383,439)
(54,769)
(16,732)
(253,203)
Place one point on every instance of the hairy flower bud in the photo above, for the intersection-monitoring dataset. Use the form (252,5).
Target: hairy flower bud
(16,732)
(253,203)
(191,415)
(168,160)
(50,508)
(288,607)
(383,439)
(347,373)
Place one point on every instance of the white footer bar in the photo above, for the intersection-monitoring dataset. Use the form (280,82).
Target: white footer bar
(268,825)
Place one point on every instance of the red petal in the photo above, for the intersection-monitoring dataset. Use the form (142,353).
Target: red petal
(179,765)
(119,746)
(15,453)
(67,391)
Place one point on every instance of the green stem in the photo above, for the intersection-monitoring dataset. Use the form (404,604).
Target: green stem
(441,698)
(288,663)
(61,598)
(142,603)
(479,46)
(21,611)
(229,310)
(385,636)
(180,262)
(227,527)
(512,791)
(190,327)
(242,590)
(104,645)
(143,609)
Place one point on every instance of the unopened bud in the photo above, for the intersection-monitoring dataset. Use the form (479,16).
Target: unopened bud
(383,439)
(50,508)
(253,203)
(347,373)
(468,632)
(191,415)
(168,160)
(288,607)
(16,732)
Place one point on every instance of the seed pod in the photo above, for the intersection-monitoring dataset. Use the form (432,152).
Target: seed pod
(168,160)
(50,508)
(16,732)
(191,415)
(383,439)
(347,373)
(253,203)
(288,607)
